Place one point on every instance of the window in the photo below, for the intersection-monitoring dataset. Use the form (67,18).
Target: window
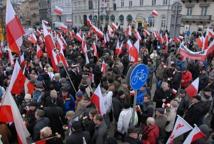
(130,3)
(141,2)
(164,2)
(122,3)
(90,4)
(203,11)
(153,2)
(189,11)
(151,21)
(163,22)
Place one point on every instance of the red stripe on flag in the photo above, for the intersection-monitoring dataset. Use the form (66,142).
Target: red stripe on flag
(96,101)
(197,136)
(6,114)
(18,85)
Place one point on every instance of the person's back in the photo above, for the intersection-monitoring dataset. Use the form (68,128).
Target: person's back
(78,138)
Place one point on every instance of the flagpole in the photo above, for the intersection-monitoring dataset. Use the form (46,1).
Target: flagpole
(133,113)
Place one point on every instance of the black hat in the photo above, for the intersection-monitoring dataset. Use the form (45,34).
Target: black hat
(76,125)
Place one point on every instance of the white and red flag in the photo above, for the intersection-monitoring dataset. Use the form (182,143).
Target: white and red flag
(137,35)
(200,42)
(133,50)
(154,13)
(94,47)
(192,89)
(98,31)
(61,58)
(88,22)
(17,80)
(22,60)
(146,32)
(14,29)
(84,50)
(194,135)
(32,38)
(118,49)
(49,44)
(104,67)
(180,127)
(114,26)
(78,37)
(39,52)
(98,100)
(29,87)
(10,113)
(10,57)
(58,11)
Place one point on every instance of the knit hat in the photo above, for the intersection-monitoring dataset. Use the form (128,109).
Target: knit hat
(160,110)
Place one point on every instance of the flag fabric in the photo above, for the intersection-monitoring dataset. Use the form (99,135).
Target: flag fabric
(49,44)
(84,50)
(146,32)
(94,47)
(99,100)
(180,127)
(78,37)
(154,13)
(58,11)
(32,38)
(110,30)
(194,135)
(192,89)
(118,49)
(22,60)
(10,56)
(61,58)
(29,87)
(1,47)
(104,67)
(200,42)
(12,112)
(88,22)
(17,80)
(114,26)
(133,51)
(137,35)
(98,32)
(14,29)
(39,52)
(63,27)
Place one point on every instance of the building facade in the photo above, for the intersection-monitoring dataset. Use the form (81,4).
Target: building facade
(45,10)
(125,12)
(66,5)
(197,15)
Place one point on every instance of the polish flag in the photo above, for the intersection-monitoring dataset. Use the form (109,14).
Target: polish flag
(180,127)
(133,51)
(61,58)
(58,11)
(17,80)
(194,135)
(39,52)
(32,38)
(104,67)
(137,35)
(98,100)
(78,37)
(14,29)
(192,89)
(155,13)
(94,47)
(49,46)
(166,39)
(64,28)
(98,32)
(200,41)
(10,56)
(22,60)
(29,87)
(114,26)
(118,49)
(129,31)
(88,22)
(176,40)
(60,43)
(10,113)
(84,50)
(110,30)
(146,32)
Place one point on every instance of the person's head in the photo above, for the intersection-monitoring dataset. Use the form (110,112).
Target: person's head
(165,86)
(76,126)
(45,132)
(174,104)
(27,98)
(53,94)
(69,115)
(92,113)
(57,76)
(150,121)
(182,93)
(133,132)
(32,106)
(65,91)
(159,111)
(147,98)
(196,99)
(98,119)
(39,114)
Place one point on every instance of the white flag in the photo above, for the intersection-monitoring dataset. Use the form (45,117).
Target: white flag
(181,127)
(194,135)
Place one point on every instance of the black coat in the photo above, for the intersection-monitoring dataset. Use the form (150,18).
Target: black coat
(41,123)
(100,134)
(55,114)
(159,95)
(77,137)
(117,107)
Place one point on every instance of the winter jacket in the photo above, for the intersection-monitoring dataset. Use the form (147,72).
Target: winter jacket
(100,134)
(41,123)
(151,134)
(78,137)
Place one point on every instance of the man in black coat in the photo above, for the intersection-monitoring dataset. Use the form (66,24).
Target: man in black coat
(78,136)
(41,122)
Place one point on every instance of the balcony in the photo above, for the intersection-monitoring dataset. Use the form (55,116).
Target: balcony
(196,18)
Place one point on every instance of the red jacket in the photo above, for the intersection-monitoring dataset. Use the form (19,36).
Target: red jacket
(186,79)
(152,135)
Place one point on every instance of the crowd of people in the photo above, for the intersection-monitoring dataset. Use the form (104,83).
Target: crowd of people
(60,110)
